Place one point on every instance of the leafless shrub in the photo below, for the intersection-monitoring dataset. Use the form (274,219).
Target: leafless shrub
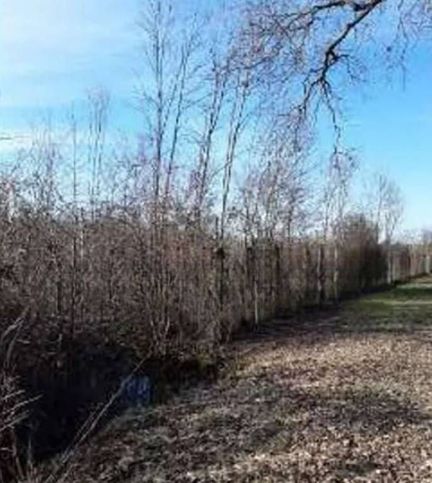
(13,406)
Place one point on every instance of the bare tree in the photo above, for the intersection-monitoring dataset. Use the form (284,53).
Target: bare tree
(308,52)
(98,105)
(385,203)
(341,168)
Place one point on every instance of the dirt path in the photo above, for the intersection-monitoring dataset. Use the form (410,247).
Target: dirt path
(347,397)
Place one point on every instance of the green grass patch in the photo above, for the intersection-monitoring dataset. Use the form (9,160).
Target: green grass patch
(405,307)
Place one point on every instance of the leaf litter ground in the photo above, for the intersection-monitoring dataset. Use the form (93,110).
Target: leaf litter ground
(335,397)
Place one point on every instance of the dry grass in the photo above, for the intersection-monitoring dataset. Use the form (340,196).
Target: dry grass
(338,397)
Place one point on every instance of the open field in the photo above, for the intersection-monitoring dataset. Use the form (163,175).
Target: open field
(333,397)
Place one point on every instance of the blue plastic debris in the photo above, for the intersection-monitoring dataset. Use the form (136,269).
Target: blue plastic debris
(137,391)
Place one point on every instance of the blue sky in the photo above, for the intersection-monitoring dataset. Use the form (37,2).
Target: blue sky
(52,51)
(390,125)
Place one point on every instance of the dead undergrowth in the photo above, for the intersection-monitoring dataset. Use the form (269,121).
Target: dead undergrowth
(340,396)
